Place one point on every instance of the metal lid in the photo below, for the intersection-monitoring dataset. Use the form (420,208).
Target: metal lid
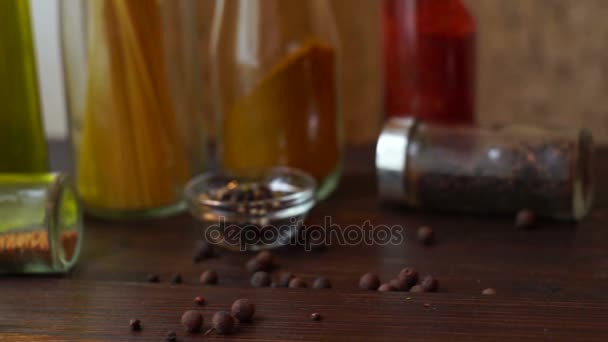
(391,157)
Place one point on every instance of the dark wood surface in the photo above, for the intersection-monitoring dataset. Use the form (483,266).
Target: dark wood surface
(552,282)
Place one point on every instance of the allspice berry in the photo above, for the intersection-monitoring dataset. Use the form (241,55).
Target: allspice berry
(152,278)
(243,310)
(260,279)
(135,325)
(525,219)
(386,288)
(426,235)
(297,283)
(430,284)
(321,283)
(399,284)
(265,260)
(209,277)
(410,275)
(369,281)
(223,322)
(285,278)
(315,316)
(192,321)
(489,292)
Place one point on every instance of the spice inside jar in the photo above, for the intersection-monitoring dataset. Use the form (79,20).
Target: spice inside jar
(486,170)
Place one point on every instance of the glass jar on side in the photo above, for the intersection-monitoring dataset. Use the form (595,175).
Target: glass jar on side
(41,226)
(429,60)
(275,80)
(132,79)
(22,141)
(486,170)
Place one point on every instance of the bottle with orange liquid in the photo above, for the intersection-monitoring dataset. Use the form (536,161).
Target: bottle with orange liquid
(429,60)
(275,81)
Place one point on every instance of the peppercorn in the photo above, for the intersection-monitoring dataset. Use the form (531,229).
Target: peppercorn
(192,321)
(209,277)
(399,284)
(135,324)
(417,288)
(410,275)
(296,283)
(223,323)
(525,219)
(176,278)
(426,235)
(265,260)
(171,336)
(243,310)
(152,278)
(315,316)
(260,279)
(285,278)
(489,292)
(369,281)
(198,300)
(253,266)
(203,251)
(386,288)
(321,283)
(430,284)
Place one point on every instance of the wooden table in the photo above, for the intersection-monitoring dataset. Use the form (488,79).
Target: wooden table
(552,282)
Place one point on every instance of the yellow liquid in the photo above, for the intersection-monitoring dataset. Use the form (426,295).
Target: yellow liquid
(290,118)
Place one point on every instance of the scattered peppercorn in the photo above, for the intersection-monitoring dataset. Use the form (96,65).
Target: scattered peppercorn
(243,310)
(135,324)
(198,300)
(386,288)
(171,336)
(410,275)
(265,260)
(430,284)
(525,219)
(426,305)
(192,321)
(321,283)
(204,250)
(253,266)
(223,323)
(369,281)
(426,235)
(152,278)
(295,283)
(176,278)
(399,284)
(489,292)
(417,288)
(285,278)
(209,277)
(260,279)
(315,316)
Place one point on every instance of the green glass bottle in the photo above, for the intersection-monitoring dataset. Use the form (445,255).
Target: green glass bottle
(22,140)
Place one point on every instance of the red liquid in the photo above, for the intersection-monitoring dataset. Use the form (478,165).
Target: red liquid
(429,60)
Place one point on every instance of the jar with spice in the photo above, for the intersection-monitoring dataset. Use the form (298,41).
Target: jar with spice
(132,78)
(429,60)
(41,225)
(275,81)
(486,170)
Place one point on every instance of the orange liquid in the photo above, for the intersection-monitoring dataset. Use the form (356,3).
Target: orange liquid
(290,118)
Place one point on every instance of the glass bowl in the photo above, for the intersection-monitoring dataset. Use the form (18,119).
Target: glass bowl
(237,221)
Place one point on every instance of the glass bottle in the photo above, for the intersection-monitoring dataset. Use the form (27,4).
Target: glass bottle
(41,225)
(429,60)
(275,82)
(497,170)
(22,140)
(132,79)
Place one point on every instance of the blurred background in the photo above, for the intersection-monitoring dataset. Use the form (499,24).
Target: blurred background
(540,62)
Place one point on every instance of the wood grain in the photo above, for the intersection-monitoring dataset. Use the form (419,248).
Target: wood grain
(100,311)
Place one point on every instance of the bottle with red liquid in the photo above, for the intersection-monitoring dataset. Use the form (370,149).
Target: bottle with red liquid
(429,60)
